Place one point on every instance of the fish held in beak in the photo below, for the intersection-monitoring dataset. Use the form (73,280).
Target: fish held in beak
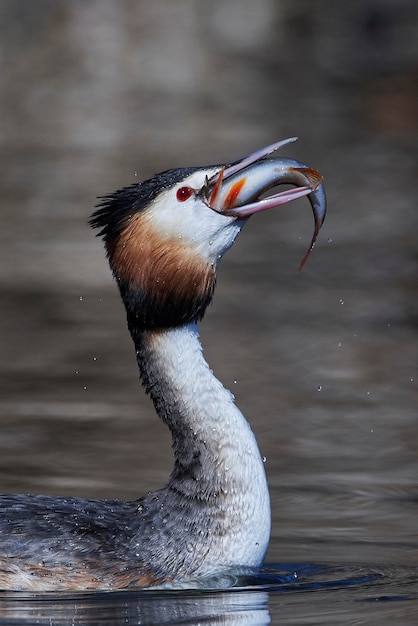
(237,189)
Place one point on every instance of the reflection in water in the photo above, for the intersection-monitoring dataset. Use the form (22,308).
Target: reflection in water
(140,608)
(259,599)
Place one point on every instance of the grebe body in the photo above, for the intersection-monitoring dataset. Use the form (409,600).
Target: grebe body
(164,239)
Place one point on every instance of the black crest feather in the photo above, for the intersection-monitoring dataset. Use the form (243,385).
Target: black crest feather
(114,209)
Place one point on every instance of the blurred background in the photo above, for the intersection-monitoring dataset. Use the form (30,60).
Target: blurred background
(100,94)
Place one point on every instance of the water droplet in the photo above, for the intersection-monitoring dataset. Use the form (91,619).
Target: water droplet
(81,298)
(210,242)
(189,547)
(339,344)
(264,459)
(319,388)
(341,301)
(330,240)
(95,358)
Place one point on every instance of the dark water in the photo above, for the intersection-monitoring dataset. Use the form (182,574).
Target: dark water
(323,363)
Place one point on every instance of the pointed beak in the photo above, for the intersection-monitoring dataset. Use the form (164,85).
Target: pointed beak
(237,190)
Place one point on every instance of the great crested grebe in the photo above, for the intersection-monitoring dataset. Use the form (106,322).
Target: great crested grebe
(164,239)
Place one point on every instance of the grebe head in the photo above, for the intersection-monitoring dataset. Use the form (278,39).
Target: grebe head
(165,237)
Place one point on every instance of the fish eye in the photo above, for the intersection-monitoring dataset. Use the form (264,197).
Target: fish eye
(184,193)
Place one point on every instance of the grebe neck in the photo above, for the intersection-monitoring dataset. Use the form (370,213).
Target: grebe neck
(217,461)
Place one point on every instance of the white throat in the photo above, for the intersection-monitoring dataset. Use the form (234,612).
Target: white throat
(217,460)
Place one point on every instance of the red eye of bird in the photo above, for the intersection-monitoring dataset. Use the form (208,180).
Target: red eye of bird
(184,194)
